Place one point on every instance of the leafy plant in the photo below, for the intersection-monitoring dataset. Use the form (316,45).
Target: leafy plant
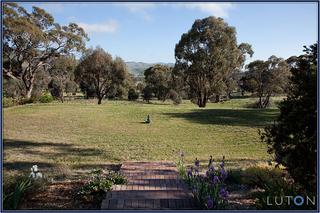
(181,168)
(15,191)
(133,95)
(46,98)
(116,178)
(99,184)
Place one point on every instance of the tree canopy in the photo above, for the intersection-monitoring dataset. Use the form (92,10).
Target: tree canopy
(30,40)
(266,78)
(158,78)
(207,55)
(101,72)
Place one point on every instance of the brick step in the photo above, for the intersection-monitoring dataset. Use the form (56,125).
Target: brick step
(149,204)
(150,194)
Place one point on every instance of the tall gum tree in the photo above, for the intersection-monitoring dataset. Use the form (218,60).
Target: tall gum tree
(99,70)
(31,40)
(207,55)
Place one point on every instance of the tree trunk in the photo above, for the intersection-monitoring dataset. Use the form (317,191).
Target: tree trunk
(260,101)
(217,98)
(228,95)
(29,91)
(202,102)
(266,101)
(99,100)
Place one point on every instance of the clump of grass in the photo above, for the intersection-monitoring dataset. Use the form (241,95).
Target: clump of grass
(15,188)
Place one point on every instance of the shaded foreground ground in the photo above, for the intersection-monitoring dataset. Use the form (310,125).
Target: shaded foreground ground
(151,185)
(60,138)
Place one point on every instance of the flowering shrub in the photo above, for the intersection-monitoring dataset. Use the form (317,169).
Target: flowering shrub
(209,189)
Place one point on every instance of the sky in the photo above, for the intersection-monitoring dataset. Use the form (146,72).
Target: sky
(148,32)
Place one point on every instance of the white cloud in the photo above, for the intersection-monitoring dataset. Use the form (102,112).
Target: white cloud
(138,7)
(211,8)
(142,9)
(216,9)
(110,26)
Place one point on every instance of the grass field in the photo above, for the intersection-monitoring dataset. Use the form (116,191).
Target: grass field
(82,134)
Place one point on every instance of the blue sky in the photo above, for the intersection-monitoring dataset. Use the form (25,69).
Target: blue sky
(148,32)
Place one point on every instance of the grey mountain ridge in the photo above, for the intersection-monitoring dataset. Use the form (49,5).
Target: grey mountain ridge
(138,68)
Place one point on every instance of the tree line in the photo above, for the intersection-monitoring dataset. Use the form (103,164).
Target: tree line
(40,55)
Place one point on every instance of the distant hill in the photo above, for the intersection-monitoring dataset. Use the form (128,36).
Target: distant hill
(138,68)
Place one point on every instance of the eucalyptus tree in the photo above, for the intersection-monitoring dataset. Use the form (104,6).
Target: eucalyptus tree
(158,78)
(101,72)
(207,56)
(62,76)
(31,40)
(266,78)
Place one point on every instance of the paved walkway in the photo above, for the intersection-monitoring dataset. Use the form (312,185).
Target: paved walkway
(151,185)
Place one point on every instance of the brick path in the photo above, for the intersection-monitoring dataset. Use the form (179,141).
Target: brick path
(151,185)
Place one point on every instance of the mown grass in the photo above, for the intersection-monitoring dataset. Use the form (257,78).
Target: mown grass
(82,134)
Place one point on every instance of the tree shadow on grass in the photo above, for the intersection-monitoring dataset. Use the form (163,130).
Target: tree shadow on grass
(47,150)
(229,117)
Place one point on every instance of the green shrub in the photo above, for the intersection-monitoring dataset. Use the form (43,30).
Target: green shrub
(258,176)
(116,178)
(99,184)
(235,176)
(293,137)
(9,102)
(147,93)
(46,98)
(133,95)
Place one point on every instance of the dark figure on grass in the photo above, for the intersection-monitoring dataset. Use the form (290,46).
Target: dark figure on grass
(148,121)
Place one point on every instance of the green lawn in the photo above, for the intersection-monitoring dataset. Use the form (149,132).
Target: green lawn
(82,134)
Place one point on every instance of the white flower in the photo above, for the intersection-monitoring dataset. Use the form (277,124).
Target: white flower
(34,168)
(35,174)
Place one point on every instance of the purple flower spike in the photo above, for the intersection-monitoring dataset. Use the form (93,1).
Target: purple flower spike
(196,171)
(189,173)
(210,203)
(215,179)
(197,162)
(224,174)
(222,164)
(224,194)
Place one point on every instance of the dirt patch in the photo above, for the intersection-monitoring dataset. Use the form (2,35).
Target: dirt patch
(61,195)
(241,197)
